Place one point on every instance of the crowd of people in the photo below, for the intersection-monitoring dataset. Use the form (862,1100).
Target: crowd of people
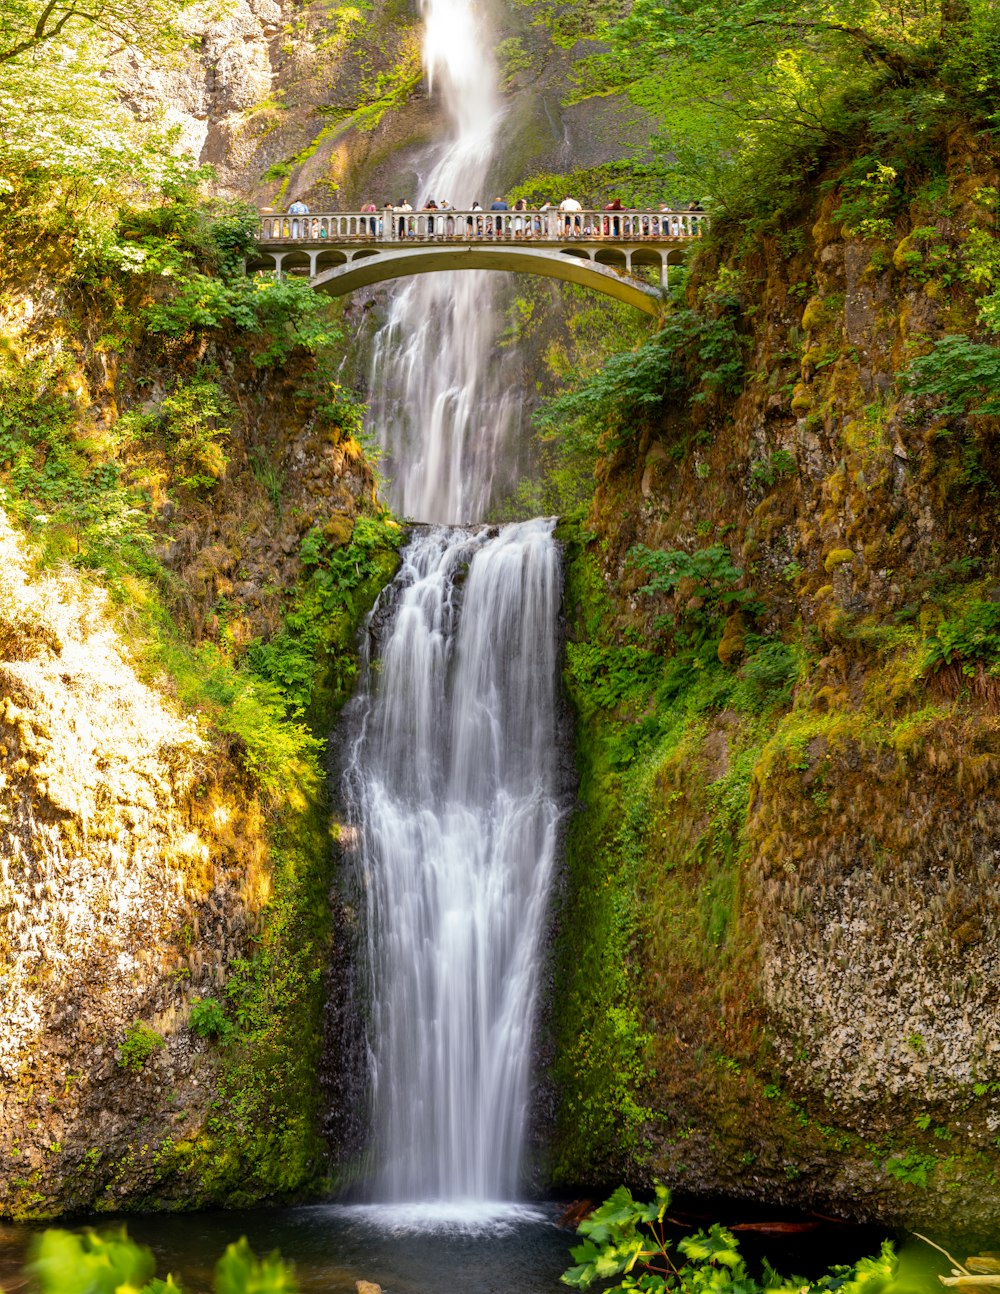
(398,220)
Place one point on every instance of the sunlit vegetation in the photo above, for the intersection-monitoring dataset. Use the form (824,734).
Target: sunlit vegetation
(65,1262)
(139,365)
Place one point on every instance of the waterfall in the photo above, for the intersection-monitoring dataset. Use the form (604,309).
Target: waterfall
(451,789)
(443,401)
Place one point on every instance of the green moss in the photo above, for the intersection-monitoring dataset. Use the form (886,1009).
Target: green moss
(837,557)
(651,927)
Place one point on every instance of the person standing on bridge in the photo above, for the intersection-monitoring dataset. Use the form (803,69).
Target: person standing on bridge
(613,224)
(298,208)
(569,206)
(372,224)
(497,204)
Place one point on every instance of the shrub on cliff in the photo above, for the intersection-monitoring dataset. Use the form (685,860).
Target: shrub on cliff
(701,588)
(139,1044)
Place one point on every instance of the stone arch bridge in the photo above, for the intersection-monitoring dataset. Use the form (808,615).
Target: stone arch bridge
(609,251)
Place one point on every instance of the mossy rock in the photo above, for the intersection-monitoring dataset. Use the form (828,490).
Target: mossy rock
(339,529)
(802,400)
(906,256)
(837,557)
(731,645)
(814,314)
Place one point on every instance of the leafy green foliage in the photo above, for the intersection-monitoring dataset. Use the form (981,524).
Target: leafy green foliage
(286,312)
(627,1238)
(971,639)
(88,1262)
(769,672)
(238,1271)
(208,1019)
(57,97)
(963,374)
(779,466)
(608,676)
(311,640)
(703,588)
(81,506)
(634,183)
(197,417)
(871,198)
(693,355)
(913,1167)
(250,710)
(750,96)
(139,1044)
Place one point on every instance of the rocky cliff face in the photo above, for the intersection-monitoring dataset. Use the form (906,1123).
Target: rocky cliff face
(157,850)
(815,909)
(132,867)
(329,103)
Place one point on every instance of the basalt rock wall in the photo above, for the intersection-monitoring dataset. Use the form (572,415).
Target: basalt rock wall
(329,103)
(810,879)
(147,863)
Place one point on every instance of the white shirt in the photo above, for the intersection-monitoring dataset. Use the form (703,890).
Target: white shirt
(570,204)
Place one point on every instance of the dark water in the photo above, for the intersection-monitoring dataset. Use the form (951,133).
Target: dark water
(332,1246)
(410,1251)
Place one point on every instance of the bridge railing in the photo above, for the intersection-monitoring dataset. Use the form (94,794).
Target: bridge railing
(464,226)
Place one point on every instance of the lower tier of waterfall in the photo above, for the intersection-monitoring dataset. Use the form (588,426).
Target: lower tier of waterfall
(451,786)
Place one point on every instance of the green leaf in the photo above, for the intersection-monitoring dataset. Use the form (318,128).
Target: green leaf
(238,1271)
(89,1263)
(719,1245)
(579,1277)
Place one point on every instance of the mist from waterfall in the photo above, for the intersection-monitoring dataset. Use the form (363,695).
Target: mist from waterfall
(443,403)
(452,793)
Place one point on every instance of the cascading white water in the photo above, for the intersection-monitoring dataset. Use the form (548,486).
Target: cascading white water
(452,787)
(443,402)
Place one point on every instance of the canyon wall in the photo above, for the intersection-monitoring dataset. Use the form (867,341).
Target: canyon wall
(795,810)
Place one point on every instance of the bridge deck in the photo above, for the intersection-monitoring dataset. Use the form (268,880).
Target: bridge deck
(342,251)
(326,228)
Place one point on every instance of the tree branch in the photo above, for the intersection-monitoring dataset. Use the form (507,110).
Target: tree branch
(873,49)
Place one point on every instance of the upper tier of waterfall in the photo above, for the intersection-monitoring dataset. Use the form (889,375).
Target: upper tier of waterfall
(444,407)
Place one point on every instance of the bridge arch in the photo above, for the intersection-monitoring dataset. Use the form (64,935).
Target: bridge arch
(338,276)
